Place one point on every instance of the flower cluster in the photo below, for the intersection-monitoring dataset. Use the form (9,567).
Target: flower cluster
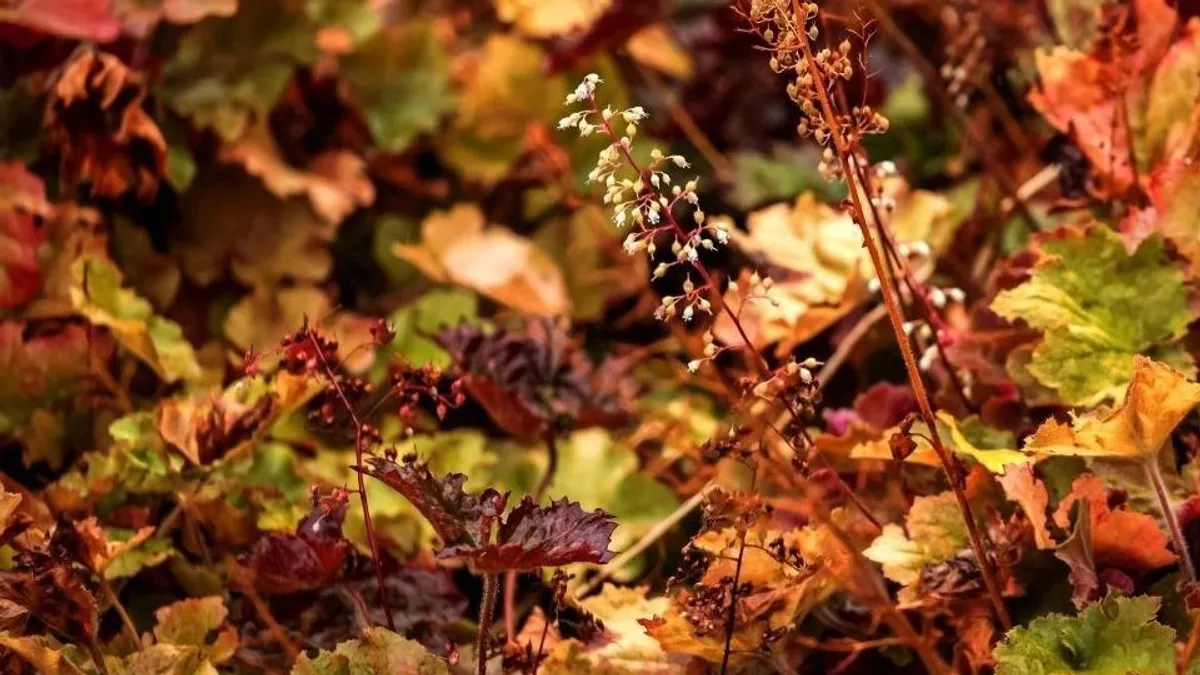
(660,212)
(791,30)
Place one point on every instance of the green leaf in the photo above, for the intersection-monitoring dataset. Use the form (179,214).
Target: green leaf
(96,293)
(507,92)
(379,651)
(227,70)
(993,448)
(358,18)
(936,532)
(401,79)
(188,622)
(435,310)
(390,230)
(148,554)
(1116,636)
(1098,306)
(781,175)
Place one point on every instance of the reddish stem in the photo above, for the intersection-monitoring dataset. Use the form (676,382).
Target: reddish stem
(362,485)
(897,320)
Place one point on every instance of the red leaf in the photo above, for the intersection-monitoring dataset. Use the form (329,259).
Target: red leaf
(535,536)
(22,200)
(460,518)
(1120,537)
(307,560)
(88,20)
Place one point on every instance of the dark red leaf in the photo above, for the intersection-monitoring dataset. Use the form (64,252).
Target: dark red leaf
(543,536)
(307,560)
(461,519)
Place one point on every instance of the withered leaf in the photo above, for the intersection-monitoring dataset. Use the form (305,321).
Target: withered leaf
(96,120)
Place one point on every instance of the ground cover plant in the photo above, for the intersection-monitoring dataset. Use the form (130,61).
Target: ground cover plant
(599,336)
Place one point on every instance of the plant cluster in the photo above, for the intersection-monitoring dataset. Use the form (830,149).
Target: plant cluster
(599,337)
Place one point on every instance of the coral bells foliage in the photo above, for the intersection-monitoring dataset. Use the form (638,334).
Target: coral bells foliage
(309,559)
(528,538)
(535,379)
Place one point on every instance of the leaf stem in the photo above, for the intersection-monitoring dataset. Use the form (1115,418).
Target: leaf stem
(897,320)
(486,609)
(362,484)
(126,622)
(1154,475)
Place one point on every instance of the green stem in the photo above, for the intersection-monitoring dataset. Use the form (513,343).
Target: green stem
(1154,475)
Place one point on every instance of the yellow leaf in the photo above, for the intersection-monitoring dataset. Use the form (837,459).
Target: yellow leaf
(656,47)
(549,18)
(459,247)
(1156,400)
(827,265)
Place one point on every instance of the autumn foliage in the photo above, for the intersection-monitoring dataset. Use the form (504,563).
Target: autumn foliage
(599,337)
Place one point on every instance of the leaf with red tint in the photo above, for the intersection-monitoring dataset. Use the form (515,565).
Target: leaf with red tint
(49,582)
(884,405)
(22,201)
(1026,489)
(537,377)
(88,20)
(1120,537)
(460,518)
(311,558)
(1077,553)
(533,536)
(96,121)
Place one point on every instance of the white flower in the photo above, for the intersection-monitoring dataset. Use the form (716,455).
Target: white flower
(688,313)
(582,91)
(632,245)
(652,216)
(693,365)
(680,161)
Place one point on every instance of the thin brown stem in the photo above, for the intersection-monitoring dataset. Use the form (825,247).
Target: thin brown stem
(96,656)
(731,620)
(359,447)
(486,609)
(1154,475)
(1189,648)
(897,320)
(127,625)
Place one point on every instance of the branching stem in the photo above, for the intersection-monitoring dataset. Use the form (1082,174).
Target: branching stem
(886,284)
(359,447)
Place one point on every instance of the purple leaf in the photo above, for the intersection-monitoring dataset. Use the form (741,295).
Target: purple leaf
(535,536)
(460,518)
